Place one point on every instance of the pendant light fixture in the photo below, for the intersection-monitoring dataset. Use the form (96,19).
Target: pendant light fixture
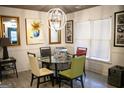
(56,18)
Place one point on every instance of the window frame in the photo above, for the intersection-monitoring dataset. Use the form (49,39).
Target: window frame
(90,41)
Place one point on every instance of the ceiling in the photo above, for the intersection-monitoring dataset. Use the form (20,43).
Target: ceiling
(46,8)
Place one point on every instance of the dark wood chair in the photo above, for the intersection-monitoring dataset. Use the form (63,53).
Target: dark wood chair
(45,51)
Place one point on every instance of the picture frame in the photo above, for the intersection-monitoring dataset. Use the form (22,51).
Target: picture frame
(34,33)
(54,35)
(69,32)
(119,29)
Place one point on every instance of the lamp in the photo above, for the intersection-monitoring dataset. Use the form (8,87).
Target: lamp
(4,42)
(57,19)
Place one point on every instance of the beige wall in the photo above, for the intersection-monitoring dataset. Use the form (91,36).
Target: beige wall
(101,12)
(19,52)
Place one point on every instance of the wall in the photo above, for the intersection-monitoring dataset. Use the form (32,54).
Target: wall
(20,52)
(100,12)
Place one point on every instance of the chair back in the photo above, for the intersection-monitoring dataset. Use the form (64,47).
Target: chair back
(81,51)
(45,51)
(77,65)
(61,51)
(33,63)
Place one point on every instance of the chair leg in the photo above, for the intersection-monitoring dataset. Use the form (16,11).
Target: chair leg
(16,71)
(71,83)
(59,82)
(84,71)
(81,77)
(38,82)
(32,77)
(84,74)
(52,79)
(0,75)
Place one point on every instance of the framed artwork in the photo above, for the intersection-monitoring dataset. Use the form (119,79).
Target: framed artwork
(119,29)
(69,31)
(34,31)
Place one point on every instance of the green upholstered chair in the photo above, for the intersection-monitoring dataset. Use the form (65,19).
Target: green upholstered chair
(75,72)
(81,51)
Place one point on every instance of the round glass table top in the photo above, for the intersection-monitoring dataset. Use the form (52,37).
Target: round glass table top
(54,59)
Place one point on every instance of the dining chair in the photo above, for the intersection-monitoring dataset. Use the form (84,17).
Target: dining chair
(75,72)
(63,51)
(37,72)
(45,51)
(81,51)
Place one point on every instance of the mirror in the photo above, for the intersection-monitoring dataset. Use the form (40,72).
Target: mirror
(0,28)
(54,35)
(10,29)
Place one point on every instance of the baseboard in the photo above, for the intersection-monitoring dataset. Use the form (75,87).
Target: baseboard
(93,68)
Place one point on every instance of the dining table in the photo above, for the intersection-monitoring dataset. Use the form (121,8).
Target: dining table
(56,63)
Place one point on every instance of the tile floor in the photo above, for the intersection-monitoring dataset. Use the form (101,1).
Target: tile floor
(92,80)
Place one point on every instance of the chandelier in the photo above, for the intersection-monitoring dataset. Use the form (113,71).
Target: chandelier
(56,18)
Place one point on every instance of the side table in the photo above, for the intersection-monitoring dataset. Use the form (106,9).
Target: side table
(7,65)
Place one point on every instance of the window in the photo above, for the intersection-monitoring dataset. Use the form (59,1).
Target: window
(96,36)
(82,38)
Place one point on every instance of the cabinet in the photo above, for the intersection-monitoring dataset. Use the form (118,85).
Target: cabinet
(116,76)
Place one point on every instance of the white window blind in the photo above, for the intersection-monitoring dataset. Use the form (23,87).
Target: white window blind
(82,38)
(96,36)
(100,39)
